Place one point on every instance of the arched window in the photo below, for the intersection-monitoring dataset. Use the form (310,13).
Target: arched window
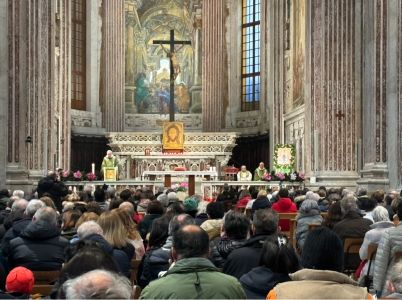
(78,58)
(250,74)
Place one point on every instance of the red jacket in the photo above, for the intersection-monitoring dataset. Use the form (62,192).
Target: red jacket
(243,202)
(284,205)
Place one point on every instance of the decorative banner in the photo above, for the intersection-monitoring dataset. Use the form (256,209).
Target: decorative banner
(173,136)
(284,158)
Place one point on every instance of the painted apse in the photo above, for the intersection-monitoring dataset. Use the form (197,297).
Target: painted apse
(147,65)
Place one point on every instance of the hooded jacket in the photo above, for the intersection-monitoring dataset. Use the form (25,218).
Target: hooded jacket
(284,205)
(194,278)
(259,281)
(38,248)
(18,226)
(319,284)
(309,214)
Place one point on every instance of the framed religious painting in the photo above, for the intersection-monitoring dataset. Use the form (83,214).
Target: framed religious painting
(173,136)
(284,158)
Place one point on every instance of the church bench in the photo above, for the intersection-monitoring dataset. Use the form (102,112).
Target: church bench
(371,252)
(351,247)
(134,270)
(44,281)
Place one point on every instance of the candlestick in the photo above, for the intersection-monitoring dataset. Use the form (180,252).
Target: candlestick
(93,168)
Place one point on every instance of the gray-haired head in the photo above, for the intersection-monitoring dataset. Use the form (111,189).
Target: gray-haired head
(310,195)
(46,215)
(98,284)
(88,228)
(380,214)
(348,204)
(33,207)
(396,277)
(19,206)
(361,191)
(309,205)
(19,193)
(265,221)
(128,207)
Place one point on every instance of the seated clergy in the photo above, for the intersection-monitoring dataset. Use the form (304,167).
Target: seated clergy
(244,174)
(321,278)
(40,245)
(193,276)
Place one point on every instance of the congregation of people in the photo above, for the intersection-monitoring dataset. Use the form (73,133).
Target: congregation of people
(234,246)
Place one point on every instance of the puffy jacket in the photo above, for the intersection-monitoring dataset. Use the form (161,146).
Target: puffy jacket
(194,278)
(39,247)
(15,231)
(303,220)
(221,250)
(390,242)
(212,227)
(318,284)
(242,260)
(259,281)
(154,262)
(146,224)
(284,205)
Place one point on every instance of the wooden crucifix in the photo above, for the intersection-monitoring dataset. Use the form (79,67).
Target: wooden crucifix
(174,67)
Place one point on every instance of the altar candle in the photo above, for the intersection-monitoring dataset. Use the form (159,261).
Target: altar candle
(93,168)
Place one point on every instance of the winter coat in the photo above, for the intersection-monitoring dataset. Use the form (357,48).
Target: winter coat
(153,262)
(38,248)
(220,251)
(372,236)
(201,218)
(242,260)
(121,258)
(319,284)
(284,205)
(194,278)
(259,281)
(18,226)
(390,243)
(146,224)
(304,219)
(243,202)
(352,225)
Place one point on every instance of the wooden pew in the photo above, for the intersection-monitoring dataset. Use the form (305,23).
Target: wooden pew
(44,281)
(371,252)
(134,270)
(351,247)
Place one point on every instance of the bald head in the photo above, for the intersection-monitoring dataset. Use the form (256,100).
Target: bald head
(190,241)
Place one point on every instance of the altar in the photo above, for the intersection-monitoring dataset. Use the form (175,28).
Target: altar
(142,155)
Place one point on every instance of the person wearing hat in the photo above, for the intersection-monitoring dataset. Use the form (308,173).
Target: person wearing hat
(215,212)
(19,283)
(191,206)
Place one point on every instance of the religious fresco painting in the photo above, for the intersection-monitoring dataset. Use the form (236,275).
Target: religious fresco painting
(147,74)
(299,47)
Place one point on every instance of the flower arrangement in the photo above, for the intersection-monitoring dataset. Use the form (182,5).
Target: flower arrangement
(281,176)
(91,176)
(77,175)
(267,177)
(65,174)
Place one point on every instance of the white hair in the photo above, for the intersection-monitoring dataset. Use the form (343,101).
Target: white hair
(348,204)
(33,207)
(128,207)
(47,215)
(88,228)
(109,151)
(379,214)
(98,284)
(19,205)
(312,196)
(19,193)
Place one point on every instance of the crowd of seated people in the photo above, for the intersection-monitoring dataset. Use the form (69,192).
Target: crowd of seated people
(111,244)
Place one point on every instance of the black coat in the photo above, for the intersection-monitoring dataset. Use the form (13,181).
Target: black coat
(241,260)
(153,262)
(220,248)
(18,226)
(146,224)
(38,248)
(259,281)
(122,257)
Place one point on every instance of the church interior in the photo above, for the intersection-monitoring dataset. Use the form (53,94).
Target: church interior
(201,149)
(321,75)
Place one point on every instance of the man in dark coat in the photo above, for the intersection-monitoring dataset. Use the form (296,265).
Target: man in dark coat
(39,246)
(241,260)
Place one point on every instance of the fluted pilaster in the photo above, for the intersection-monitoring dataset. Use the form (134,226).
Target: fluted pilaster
(214,71)
(112,65)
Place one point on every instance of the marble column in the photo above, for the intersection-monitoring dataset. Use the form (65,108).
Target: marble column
(196,89)
(112,65)
(38,91)
(3,89)
(93,52)
(333,100)
(214,65)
